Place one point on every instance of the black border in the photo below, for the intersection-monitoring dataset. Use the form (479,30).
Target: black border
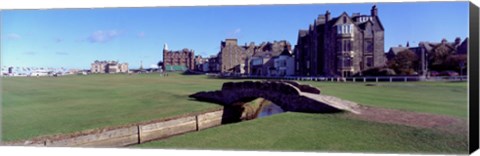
(473,78)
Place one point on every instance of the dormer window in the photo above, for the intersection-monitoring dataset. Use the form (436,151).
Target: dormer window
(364,19)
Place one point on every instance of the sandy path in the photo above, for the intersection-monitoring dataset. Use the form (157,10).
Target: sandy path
(424,120)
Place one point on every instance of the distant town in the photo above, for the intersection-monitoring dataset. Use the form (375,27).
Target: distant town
(343,46)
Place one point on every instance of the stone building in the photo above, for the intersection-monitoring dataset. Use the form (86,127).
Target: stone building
(340,46)
(249,59)
(457,47)
(212,64)
(199,62)
(425,50)
(232,57)
(178,60)
(108,67)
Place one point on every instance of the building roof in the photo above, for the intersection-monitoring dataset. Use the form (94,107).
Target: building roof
(286,53)
(302,33)
(396,50)
(363,25)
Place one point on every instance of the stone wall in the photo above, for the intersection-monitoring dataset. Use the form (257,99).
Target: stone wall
(131,134)
(110,138)
(165,129)
(210,119)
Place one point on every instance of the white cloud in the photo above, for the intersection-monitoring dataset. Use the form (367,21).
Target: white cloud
(103,36)
(141,34)
(61,53)
(13,36)
(30,53)
(237,31)
(58,40)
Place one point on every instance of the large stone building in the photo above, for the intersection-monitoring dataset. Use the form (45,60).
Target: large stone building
(426,50)
(249,59)
(340,46)
(178,60)
(108,67)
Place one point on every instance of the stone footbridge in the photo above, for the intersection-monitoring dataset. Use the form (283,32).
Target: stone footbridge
(289,95)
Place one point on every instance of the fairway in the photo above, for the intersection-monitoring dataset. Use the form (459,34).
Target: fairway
(444,98)
(51,105)
(34,107)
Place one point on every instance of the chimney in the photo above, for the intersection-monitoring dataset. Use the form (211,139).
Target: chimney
(444,41)
(327,16)
(408,44)
(458,40)
(374,11)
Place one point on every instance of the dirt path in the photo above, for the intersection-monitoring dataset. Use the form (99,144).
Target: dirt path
(424,120)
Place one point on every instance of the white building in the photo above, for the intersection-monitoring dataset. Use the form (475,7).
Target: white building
(205,66)
(284,64)
(41,73)
(109,67)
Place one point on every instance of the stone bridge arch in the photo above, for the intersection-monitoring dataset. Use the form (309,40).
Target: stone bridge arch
(289,95)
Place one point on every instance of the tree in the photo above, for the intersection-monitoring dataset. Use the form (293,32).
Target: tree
(160,64)
(456,63)
(438,57)
(377,71)
(404,63)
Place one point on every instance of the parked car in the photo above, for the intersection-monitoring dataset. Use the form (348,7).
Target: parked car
(434,73)
(448,73)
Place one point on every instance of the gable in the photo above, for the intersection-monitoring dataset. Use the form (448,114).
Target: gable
(379,25)
(343,19)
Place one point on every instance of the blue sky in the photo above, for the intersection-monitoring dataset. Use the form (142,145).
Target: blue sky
(74,38)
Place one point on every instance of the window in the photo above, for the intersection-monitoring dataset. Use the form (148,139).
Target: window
(347,62)
(345,45)
(345,29)
(339,46)
(369,62)
(364,19)
(369,46)
(349,45)
(308,64)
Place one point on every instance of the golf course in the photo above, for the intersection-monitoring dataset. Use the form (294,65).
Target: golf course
(42,106)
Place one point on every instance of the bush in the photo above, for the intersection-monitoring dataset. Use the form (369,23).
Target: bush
(378,71)
(404,63)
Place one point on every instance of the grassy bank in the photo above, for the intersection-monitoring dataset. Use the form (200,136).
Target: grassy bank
(317,132)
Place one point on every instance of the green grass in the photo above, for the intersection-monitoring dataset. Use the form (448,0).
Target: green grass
(445,98)
(46,105)
(317,132)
